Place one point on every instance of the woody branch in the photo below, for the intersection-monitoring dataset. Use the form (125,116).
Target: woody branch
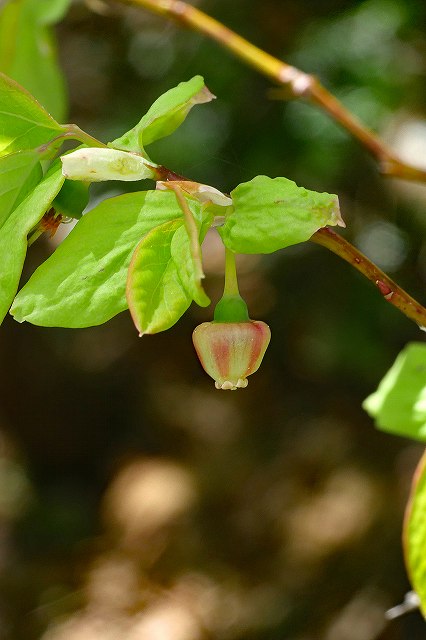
(294,82)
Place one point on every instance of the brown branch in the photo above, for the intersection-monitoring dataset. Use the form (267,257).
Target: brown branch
(297,83)
(391,292)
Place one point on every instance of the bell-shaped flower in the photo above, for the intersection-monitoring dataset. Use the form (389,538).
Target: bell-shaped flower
(231,351)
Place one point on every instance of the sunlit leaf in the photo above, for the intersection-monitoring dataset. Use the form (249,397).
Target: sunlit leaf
(28,50)
(14,232)
(399,404)
(270,214)
(24,124)
(19,173)
(165,115)
(83,283)
(155,294)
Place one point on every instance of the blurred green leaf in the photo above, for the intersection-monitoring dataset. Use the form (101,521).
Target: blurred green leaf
(24,124)
(165,115)
(399,404)
(155,294)
(83,283)
(14,232)
(270,214)
(414,535)
(28,50)
(19,173)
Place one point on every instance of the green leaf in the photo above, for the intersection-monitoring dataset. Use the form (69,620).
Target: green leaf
(414,536)
(165,116)
(180,250)
(28,50)
(83,283)
(399,404)
(272,213)
(14,232)
(72,199)
(155,294)
(24,124)
(19,173)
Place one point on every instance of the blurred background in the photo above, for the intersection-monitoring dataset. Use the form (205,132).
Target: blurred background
(136,501)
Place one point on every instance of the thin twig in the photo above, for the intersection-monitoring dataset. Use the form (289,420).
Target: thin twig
(387,287)
(297,83)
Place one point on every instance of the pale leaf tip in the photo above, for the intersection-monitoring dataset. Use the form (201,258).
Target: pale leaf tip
(337,216)
(204,95)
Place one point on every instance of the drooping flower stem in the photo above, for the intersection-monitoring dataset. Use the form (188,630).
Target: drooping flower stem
(231,307)
(231,280)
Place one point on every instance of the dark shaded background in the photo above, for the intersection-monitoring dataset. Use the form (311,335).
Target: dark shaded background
(136,502)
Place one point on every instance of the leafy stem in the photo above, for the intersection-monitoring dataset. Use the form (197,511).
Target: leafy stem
(231,307)
(391,292)
(295,82)
(325,237)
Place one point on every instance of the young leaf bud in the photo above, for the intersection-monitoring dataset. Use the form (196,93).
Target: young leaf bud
(98,164)
(231,351)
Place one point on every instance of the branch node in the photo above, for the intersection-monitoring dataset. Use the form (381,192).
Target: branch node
(301,83)
(387,166)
